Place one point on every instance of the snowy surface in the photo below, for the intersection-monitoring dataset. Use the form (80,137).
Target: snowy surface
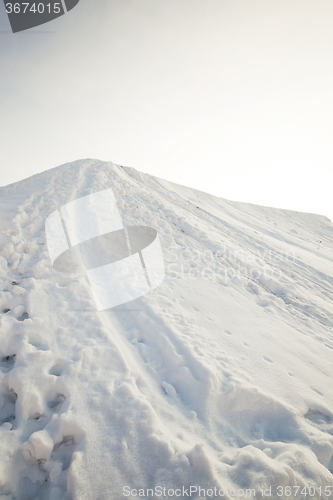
(220,378)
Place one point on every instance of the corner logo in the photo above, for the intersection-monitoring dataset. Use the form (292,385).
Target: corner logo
(121,263)
(24,15)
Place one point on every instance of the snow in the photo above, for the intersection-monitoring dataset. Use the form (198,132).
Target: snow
(221,377)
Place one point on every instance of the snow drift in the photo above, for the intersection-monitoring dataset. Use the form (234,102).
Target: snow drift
(219,379)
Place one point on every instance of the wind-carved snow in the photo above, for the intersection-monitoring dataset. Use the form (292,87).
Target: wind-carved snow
(220,377)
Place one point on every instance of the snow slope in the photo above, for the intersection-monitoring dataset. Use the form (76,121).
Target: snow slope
(220,378)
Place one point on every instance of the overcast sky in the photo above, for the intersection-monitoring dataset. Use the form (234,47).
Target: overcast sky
(234,97)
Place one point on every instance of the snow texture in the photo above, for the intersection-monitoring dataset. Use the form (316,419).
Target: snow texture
(220,377)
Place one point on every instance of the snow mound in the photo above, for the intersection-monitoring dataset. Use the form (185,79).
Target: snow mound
(219,379)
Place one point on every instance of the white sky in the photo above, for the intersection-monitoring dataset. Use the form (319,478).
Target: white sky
(233,97)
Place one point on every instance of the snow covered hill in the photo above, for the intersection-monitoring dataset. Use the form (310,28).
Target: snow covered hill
(219,379)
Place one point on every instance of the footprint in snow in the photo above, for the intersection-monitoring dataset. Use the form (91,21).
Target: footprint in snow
(56,370)
(23,316)
(262,302)
(169,389)
(38,344)
(54,403)
(7,363)
(7,407)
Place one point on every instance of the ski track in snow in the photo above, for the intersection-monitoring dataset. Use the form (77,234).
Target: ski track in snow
(221,377)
